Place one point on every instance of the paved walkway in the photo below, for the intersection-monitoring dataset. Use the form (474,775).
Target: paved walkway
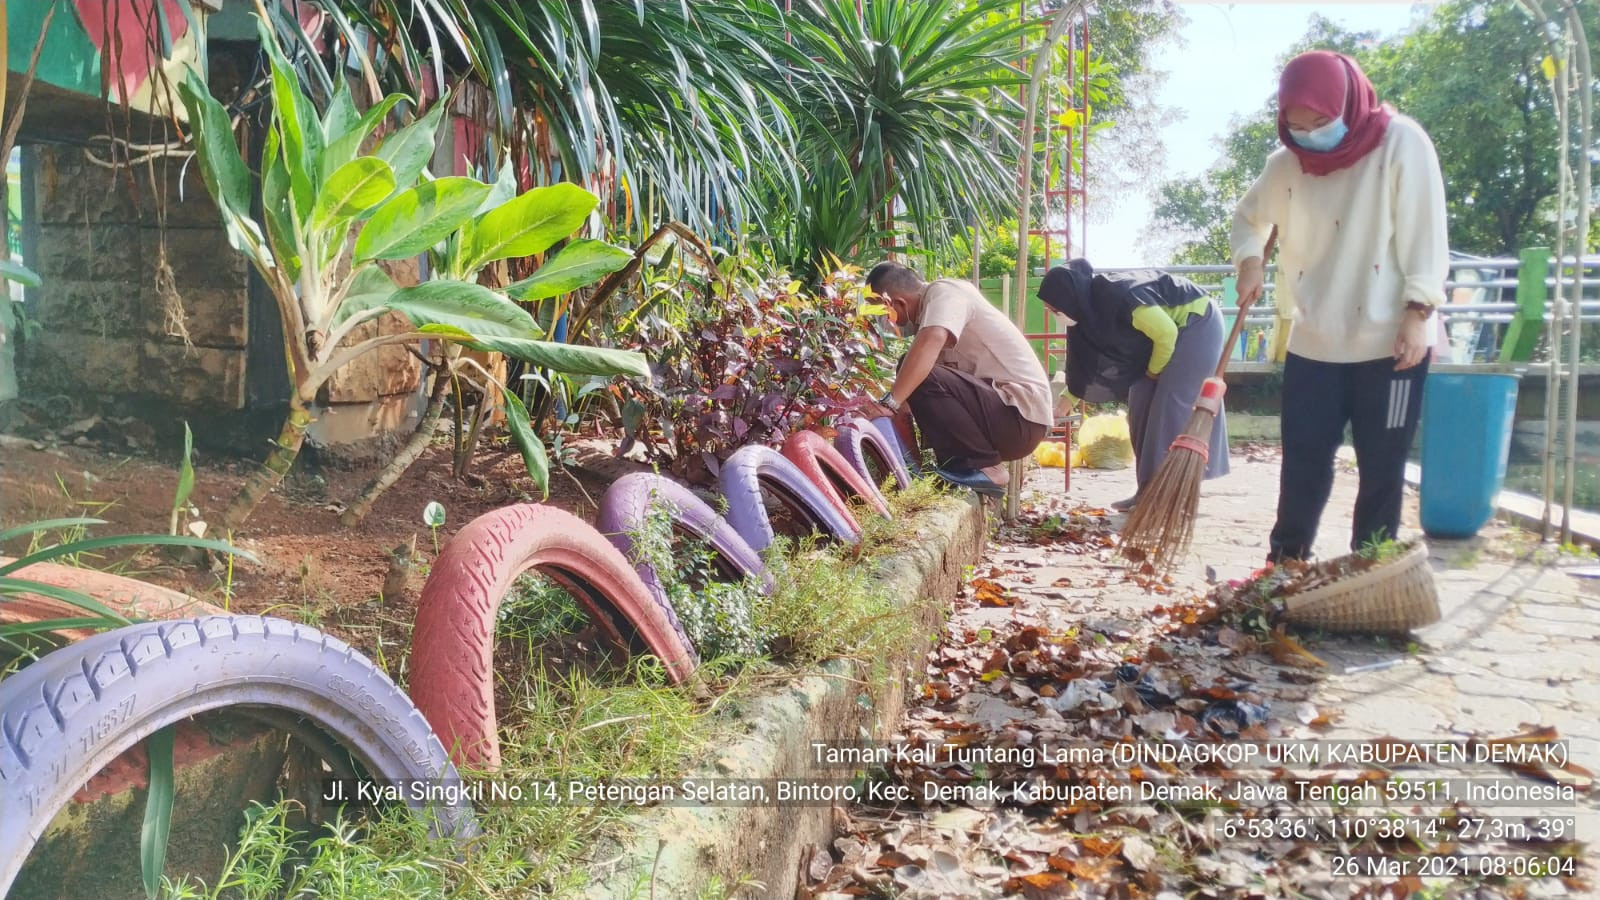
(1518,643)
(1517,647)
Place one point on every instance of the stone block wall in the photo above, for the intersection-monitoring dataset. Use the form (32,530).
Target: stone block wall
(114,328)
(141,319)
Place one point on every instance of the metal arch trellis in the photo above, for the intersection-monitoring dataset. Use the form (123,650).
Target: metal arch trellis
(1570,72)
(1059,25)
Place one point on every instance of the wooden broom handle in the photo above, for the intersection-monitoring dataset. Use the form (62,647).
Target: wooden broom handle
(1238,321)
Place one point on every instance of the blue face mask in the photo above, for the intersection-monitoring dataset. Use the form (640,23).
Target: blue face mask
(1322,139)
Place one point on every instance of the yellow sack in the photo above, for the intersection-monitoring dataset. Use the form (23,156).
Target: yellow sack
(1051,454)
(1103,443)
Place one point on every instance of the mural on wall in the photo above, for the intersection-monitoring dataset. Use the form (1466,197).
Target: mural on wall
(109,49)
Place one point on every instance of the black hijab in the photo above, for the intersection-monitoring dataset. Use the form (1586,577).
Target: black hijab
(1106,355)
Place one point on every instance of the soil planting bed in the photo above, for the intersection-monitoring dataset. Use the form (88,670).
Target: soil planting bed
(311,568)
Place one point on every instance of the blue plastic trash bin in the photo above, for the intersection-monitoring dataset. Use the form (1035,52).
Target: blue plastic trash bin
(1466,438)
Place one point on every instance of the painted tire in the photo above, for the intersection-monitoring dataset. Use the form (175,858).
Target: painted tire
(754,466)
(812,453)
(885,428)
(903,440)
(69,714)
(858,439)
(130,597)
(452,641)
(627,504)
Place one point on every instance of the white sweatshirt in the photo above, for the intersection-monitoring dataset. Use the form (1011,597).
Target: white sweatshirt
(1354,246)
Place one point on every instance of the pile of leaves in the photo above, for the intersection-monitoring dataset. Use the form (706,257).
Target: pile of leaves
(1256,604)
(1034,661)
(741,360)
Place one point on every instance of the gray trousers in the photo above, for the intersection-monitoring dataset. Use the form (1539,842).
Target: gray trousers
(1159,409)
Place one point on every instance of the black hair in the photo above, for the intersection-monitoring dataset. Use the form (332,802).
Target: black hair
(889,276)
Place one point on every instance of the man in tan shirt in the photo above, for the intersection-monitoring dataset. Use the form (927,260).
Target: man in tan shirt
(973,385)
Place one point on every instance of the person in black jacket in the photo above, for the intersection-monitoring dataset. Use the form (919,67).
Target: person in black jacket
(1146,338)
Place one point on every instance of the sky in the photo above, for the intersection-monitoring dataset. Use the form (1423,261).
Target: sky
(1221,63)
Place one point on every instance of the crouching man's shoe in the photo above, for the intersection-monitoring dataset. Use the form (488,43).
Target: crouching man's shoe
(978,480)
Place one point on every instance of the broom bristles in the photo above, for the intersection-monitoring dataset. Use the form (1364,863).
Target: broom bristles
(1161,527)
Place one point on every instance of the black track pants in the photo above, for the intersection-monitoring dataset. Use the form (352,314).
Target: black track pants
(1382,407)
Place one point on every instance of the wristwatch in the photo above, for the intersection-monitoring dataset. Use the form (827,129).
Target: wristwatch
(1426,309)
(887,401)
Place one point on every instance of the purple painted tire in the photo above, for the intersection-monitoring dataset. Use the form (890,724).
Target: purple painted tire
(627,504)
(63,718)
(756,466)
(885,428)
(858,439)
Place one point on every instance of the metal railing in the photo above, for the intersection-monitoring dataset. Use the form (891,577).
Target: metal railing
(1477,309)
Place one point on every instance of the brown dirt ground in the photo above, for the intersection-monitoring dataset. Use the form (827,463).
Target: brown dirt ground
(311,568)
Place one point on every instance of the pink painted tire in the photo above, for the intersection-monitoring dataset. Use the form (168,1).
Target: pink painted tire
(860,442)
(821,463)
(128,596)
(452,642)
(755,466)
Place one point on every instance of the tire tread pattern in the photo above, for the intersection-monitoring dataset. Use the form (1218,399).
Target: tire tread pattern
(756,465)
(626,507)
(66,716)
(821,463)
(858,439)
(452,640)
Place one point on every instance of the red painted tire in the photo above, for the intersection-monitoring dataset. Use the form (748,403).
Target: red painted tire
(858,440)
(812,453)
(902,434)
(452,642)
(890,432)
(755,466)
(627,504)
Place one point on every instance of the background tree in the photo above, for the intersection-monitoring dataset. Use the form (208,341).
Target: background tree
(907,101)
(1473,75)
(1127,156)
(1193,215)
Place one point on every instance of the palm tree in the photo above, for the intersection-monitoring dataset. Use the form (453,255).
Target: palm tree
(908,100)
(733,115)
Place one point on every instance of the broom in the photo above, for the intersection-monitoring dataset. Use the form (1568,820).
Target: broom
(1161,526)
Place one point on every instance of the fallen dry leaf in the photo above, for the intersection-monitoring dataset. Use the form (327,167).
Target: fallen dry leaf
(820,865)
(1102,846)
(1290,652)
(894,859)
(1138,852)
(960,819)
(995,663)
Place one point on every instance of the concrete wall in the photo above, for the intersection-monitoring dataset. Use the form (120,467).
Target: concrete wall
(110,339)
(109,321)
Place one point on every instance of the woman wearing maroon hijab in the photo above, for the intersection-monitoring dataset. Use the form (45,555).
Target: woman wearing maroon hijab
(1358,199)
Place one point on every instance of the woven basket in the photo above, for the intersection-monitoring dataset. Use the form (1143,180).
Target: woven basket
(1393,597)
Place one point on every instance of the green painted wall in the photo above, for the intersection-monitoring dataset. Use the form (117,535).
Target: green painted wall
(70,59)
(1037,320)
